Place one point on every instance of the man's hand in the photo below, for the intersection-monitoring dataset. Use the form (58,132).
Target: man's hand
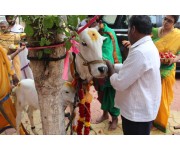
(23,46)
(126,44)
(110,66)
(15,80)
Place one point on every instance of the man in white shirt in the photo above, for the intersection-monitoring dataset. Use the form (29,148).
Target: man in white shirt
(137,81)
(26,72)
(13,27)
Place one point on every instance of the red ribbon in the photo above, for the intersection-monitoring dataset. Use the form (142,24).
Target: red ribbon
(88,24)
(43,47)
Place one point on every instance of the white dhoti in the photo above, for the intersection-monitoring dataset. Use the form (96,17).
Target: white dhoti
(26,72)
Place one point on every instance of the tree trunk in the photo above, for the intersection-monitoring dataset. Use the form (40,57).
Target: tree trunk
(48,84)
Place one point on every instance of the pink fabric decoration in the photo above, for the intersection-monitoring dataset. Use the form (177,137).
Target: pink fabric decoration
(66,60)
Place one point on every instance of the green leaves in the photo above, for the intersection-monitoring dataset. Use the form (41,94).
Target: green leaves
(72,20)
(48,21)
(44,30)
(68,45)
(44,41)
(29,30)
(48,42)
(40,54)
(82,17)
(44,51)
(48,51)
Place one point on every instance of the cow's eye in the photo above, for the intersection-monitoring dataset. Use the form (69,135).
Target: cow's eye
(67,92)
(84,44)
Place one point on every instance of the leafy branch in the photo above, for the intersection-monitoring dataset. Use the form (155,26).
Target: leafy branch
(42,30)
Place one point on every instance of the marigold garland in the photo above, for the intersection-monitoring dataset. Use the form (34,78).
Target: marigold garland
(84,111)
(87,119)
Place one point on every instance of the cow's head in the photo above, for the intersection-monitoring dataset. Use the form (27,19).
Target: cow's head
(90,62)
(68,93)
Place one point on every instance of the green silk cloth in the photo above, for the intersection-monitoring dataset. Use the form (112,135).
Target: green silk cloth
(109,92)
(107,103)
(107,48)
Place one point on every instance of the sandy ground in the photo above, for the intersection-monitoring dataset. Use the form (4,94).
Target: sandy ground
(101,128)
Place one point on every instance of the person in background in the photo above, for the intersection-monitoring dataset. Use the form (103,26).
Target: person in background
(13,26)
(106,93)
(85,21)
(8,79)
(167,39)
(6,39)
(137,81)
(26,72)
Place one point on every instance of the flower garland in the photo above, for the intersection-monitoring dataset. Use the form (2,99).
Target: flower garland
(84,109)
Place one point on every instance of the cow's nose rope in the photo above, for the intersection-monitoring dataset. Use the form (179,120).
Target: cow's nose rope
(88,63)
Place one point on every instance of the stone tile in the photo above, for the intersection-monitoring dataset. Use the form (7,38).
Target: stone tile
(172,122)
(176,114)
(177,120)
(98,131)
(171,115)
(118,131)
(157,132)
(99,125)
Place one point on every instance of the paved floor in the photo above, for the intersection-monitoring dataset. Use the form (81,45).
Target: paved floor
(101,128)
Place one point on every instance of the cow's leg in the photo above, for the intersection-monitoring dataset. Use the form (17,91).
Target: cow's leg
(30,115)
(74,121)
(18,117)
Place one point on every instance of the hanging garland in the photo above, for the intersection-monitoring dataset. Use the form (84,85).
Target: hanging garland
(84,109)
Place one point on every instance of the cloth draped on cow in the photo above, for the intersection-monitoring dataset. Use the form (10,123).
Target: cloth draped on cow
(170,42)
(5,100)
(111,52)
(6,39)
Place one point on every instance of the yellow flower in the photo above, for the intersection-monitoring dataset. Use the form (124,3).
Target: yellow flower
(87,124)
(88,97)
(81,119)
(83,100)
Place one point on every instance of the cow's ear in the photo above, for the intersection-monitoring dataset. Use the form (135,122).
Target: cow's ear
(103,38)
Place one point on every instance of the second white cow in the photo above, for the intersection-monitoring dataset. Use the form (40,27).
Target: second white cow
(26,97)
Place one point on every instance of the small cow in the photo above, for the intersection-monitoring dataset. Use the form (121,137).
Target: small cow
(26,96)
(68,94)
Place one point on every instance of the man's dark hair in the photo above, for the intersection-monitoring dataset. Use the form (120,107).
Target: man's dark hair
(7,16)
(100,19)
(142,24)
(176,17)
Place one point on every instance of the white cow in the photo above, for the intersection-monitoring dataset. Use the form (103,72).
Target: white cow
(67,96)
(26,96)
(89,61)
